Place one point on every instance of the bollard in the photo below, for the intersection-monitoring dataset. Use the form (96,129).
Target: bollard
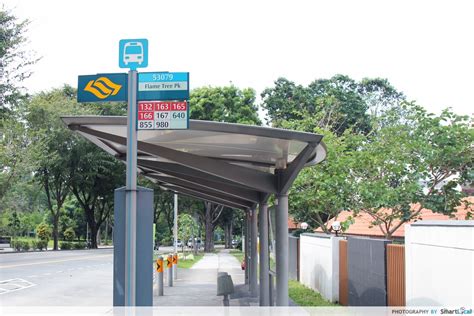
(175,266)
(159,277)
(169,266)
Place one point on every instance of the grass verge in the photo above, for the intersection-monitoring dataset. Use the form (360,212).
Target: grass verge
(238,254)
(304,296)
(188,263)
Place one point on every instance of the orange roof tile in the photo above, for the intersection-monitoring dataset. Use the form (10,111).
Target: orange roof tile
(363,221)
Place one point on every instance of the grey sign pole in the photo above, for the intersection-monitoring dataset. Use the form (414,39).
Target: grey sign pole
(175,232)
(131,193)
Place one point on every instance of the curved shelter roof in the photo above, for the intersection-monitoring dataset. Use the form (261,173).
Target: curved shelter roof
(229,164)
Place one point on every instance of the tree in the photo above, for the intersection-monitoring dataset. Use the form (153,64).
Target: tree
(43,231)
(14,60)
(222,104)
(14,224)
(94,177)
(52,144)
(187,228)
(226,221)
(321,192)
(210,217)
(335,104)
(413,165)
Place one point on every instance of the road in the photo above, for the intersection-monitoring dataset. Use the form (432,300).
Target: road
(57,278)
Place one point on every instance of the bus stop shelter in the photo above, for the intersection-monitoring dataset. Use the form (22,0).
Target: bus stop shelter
(238,166)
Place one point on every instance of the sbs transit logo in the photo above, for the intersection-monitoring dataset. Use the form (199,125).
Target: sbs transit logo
(102,87)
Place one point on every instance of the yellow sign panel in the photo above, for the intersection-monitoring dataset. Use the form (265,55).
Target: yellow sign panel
(102,87)
(175,258)
(159,265)
(169,261)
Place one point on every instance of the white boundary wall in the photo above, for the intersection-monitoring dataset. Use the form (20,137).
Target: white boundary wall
(319,264)
(439,263)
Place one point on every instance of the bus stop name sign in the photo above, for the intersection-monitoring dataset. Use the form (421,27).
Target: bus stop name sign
(163,86)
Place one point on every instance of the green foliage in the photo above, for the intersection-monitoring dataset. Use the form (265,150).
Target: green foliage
(334,104)
(94,175)
(14,60)
(65,245)
(418,163)
(79,245)
(54,143)
(224,104)
(188,263)
(14,224)
(20,245)
(187,227)
(43,231)
(238,254)
(304,296)
(39,244)
(322,192)
(69,234)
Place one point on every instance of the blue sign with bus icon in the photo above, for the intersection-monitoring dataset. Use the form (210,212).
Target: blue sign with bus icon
(133,53)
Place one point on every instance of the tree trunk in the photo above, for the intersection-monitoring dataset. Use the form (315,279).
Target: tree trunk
(56,231)
(226,236)
(231,236)
(94,230)
(209,242)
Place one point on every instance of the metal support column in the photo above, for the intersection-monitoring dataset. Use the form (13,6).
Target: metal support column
(253,253)
(264,260)
(175,233)
(131,194)
(246,247)
(281,219)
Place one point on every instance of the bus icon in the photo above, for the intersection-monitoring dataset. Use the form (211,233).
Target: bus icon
(133,53)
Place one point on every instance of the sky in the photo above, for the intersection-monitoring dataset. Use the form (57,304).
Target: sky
(424,48)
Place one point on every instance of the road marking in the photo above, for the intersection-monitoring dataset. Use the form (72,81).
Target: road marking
(13,285)
(52,261)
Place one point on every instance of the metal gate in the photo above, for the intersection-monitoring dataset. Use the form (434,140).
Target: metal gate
(343,275)
(395,275)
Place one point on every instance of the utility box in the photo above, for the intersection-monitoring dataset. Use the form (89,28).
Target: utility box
(144,246)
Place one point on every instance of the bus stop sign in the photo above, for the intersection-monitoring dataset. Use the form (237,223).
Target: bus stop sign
(133,53)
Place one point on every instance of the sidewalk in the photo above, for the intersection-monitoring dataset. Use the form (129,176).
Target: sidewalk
(198,286)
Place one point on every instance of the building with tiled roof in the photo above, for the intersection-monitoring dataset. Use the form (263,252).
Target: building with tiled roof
(362,222)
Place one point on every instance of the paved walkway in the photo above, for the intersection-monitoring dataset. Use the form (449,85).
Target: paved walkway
(198,286)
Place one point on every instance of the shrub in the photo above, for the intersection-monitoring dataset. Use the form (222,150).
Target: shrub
(79,245)
(25,245)
(39,244)
(65,245)
(43,231)
(16,244)
(69,234)
(20,245)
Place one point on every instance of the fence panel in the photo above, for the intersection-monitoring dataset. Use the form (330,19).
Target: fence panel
(395,275)
(343,277)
